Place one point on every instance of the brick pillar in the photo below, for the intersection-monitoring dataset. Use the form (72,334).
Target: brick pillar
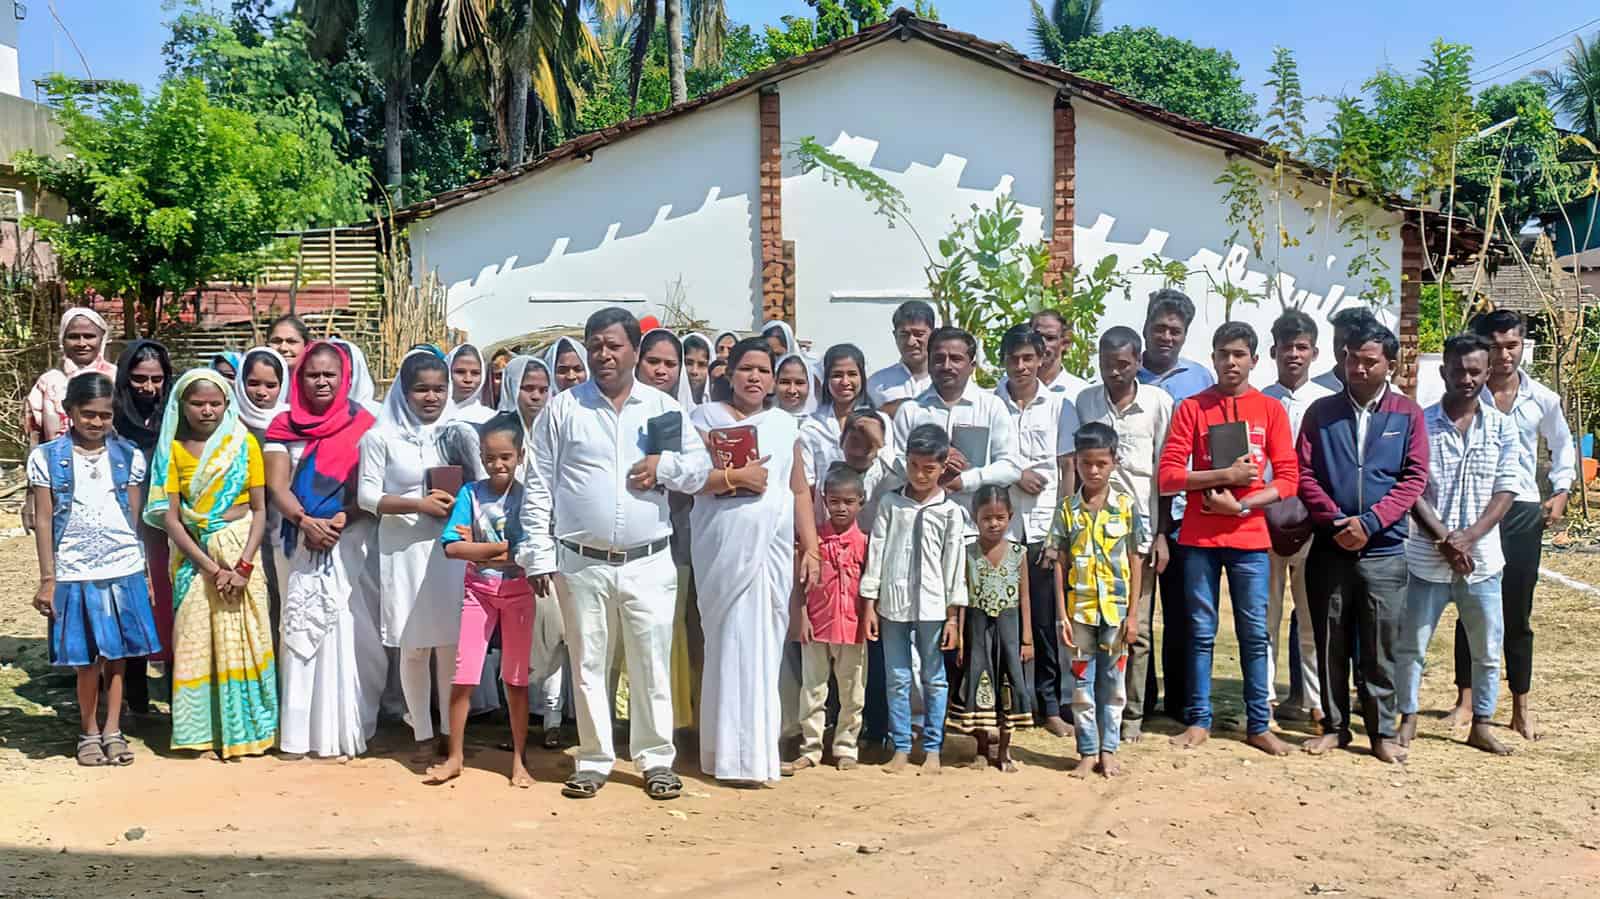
(1064,187)
(1411,250)
(777,297)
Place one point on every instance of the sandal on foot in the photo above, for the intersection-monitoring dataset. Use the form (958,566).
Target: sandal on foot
(552,738)
(583,785)
(661,783)
(90,753)
(115,747)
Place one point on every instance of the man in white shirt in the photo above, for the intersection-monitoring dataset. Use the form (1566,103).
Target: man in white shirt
(594,516)
(1455,555)
(1044,422)
(970,416)
(1051,327)
(1294,349)
(1535,411)
(913,325)
(1140,414)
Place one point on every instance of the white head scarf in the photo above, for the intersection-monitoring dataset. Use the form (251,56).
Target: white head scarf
(555,350)
(362,390)
(718,339)
(511,384)
(680,391)
(814,381)
(472,407)
(94,318)
(792,345)
(396,415)
(711,354)
(254,417)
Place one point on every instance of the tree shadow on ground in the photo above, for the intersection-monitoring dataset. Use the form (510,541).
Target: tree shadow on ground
(47,874)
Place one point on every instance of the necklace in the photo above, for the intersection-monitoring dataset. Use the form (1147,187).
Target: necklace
(92,459)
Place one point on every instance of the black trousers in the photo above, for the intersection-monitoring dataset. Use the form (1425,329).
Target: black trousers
(1356,608)
(1174,639)
(1520,534)
(1047,677)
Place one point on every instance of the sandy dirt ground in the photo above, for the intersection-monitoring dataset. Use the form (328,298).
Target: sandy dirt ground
(1223,820)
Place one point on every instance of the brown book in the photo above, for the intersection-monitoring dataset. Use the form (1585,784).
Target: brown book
(443,477)
(734,447)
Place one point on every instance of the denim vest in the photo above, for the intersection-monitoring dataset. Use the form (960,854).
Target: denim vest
(58,460)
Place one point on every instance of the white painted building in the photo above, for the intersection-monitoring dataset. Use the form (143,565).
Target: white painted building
(675,201)
(11,14)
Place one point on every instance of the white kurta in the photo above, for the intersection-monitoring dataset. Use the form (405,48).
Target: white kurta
(331,663)
(743,553)
(422,590)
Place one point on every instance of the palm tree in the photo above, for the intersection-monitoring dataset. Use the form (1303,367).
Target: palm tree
(383,26)
(708,26)
(1574,89)
(1067,22)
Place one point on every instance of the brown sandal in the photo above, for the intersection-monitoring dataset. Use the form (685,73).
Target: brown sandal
(115,747)
(90,752)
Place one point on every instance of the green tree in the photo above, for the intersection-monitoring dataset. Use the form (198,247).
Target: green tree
(171,192)
(1574,88)
(1066,22)
(710,15)
(1167,71)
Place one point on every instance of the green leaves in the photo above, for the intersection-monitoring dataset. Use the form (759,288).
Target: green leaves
(1170,72)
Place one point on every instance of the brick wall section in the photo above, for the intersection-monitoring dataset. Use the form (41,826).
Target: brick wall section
(1411,251)
(777,282)
(1064,215)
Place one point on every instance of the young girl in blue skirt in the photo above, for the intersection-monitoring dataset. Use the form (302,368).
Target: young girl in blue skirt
(85,483)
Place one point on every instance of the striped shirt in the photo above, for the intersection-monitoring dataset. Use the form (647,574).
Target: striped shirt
(1465,471)
(1100,547)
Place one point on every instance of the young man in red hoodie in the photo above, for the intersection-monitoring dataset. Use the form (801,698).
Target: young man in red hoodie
(1225,527)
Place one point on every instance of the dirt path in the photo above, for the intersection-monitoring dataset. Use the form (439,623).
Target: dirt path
(1220,821)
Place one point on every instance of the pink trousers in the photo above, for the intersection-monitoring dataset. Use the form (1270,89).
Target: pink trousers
(507,602)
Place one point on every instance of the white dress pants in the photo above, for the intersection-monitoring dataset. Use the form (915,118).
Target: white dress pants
(599,604)
(1292,569)
(547,660)
(415,684)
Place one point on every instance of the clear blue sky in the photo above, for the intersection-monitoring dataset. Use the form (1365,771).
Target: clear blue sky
(1338,45)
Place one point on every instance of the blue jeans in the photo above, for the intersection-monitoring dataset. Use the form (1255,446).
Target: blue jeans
(1098,665)
(1248,572)
(900,639)
(1481,615)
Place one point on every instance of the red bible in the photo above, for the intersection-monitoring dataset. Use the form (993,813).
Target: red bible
(734,447)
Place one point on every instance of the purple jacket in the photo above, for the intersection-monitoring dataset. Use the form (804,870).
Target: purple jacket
(1380,486)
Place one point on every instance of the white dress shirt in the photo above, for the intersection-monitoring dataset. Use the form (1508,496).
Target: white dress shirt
(916,559)
(896,383)
(1465,471)
(1141,430)
(1297,400)
(1064,383)
(1536,412)
(976,407)
(577,487)
(1044,430)
(1330,381)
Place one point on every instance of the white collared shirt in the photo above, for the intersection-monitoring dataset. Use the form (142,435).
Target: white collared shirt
(976,407)
(1044,430)
(1363,420)
(1330,381)
(896,383)
(1064,383)
(1465,471)
(1141,431)
(1536,412)
(1296,401)
(916,559)
(577,486)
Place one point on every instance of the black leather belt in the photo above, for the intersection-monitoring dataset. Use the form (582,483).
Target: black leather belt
(618,557)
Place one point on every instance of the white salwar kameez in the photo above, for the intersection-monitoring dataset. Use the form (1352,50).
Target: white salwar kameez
(743,554)
(331,664)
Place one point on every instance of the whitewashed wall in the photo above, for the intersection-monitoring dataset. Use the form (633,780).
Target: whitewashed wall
(677,202)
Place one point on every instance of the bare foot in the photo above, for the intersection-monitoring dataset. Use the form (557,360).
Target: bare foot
(1388,751)
(1057,727)
(447,770)
(1407,731)
(800,764)
(1132,731)
(1481,737)
(1007,765)
(930,765)
(846,764)
(1522,718)
(520,778)
(1191,737)
(898,763)
(1268,742)
(1086,766)
(1321,744)
(1108,764)
(1461,715)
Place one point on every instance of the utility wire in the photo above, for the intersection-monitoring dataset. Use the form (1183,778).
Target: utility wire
(1484,74)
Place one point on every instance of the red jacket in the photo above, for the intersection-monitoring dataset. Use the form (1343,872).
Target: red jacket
(834,604)
(1272,448)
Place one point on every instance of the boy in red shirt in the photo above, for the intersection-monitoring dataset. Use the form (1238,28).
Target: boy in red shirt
(1225,528)
(829,625)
